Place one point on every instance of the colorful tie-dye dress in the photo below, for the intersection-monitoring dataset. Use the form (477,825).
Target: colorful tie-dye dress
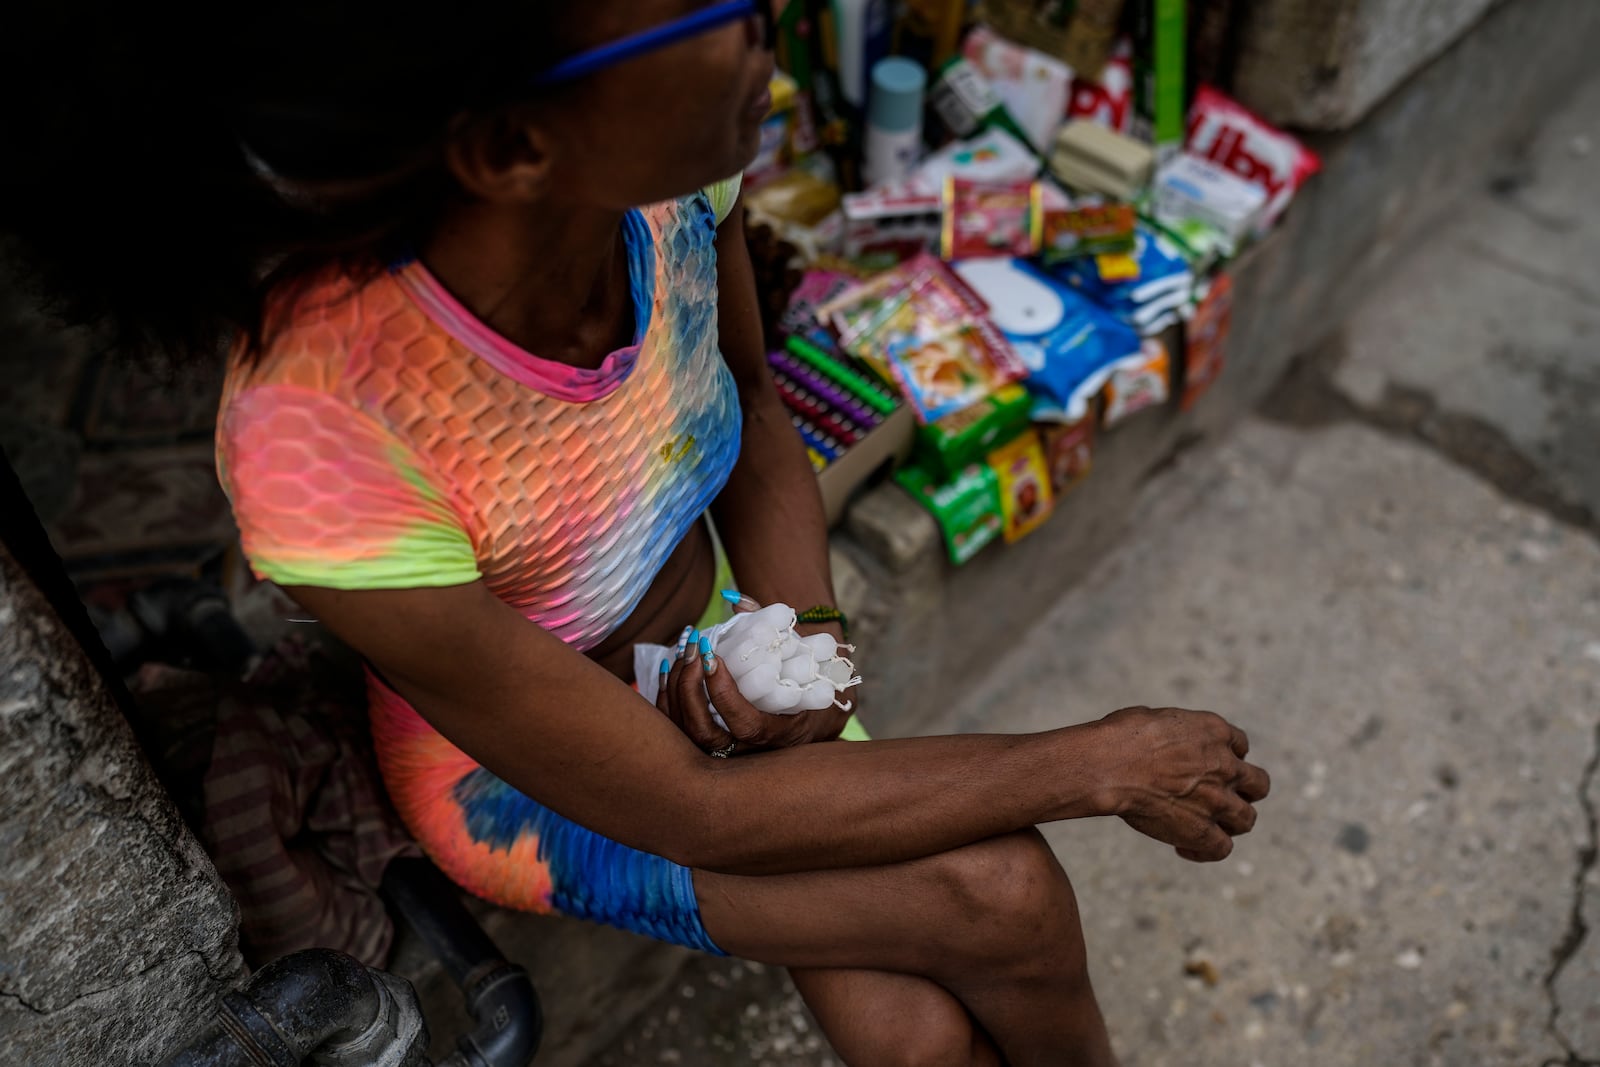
(387,439)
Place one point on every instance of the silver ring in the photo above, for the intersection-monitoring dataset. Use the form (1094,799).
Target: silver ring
(725,751)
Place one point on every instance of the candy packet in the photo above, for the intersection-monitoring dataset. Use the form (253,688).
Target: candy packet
(1024,481)
(1091,226)
(1139,382)
(982,219)
(1227,133)
(816,288)
(1069,452)
(1188,187)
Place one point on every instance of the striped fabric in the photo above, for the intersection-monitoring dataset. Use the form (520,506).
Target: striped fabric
(294,813)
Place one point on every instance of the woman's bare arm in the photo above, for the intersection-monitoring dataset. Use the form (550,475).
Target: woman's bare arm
(565,732)
(770,512)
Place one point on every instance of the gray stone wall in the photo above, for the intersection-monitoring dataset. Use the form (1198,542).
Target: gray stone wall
(116,934)
(1324,64)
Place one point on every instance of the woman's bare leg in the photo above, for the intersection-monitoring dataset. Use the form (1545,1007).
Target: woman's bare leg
(995,924)
(874,1018)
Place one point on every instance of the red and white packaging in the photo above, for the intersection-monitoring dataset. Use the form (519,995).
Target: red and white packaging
(1034,87)
(899,218)
(1109,102)
(1230,135)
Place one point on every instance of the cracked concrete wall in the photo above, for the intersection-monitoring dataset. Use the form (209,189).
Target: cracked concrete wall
(1323,64)
(116,933)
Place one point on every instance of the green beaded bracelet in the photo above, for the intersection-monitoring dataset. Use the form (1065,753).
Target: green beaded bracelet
(825,613)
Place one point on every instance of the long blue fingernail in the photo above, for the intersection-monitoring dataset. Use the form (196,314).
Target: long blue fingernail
(705,645)
(739,601)
(689,644)
(666,665)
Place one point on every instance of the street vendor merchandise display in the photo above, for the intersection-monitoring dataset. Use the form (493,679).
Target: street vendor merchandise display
(1039,251)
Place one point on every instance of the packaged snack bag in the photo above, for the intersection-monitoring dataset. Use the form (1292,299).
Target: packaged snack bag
(1069,452)
(1092,226)
(966,436)
(917,301)
(942,373)
(967,508)
(1139,382)
(1206,340)
(986,220)
(1225,132)
(1024,479)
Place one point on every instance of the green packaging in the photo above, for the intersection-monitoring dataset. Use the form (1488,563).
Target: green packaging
(965,437)
(967,508)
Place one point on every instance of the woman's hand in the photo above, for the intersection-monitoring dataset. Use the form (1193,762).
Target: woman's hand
(683,699)
(1180,777)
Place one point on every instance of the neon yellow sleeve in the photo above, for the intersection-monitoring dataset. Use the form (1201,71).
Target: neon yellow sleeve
(723,195)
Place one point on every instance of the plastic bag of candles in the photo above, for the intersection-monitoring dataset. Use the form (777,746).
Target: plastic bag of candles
(776,669)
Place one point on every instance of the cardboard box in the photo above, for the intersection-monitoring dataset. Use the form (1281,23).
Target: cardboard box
(886,444)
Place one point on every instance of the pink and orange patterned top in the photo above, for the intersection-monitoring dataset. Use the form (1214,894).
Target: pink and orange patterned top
(388,439)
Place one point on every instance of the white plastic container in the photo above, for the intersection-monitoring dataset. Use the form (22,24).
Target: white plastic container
(894,120)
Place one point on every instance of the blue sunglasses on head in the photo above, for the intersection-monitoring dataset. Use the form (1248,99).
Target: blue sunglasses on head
(619,51)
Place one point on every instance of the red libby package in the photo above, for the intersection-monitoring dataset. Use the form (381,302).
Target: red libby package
(1229,134)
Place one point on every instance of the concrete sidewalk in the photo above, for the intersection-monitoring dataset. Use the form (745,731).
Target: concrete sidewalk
(1391,579)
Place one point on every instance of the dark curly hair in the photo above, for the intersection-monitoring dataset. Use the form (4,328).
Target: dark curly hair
(168,169)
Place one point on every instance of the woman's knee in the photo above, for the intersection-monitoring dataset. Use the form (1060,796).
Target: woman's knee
(939,1039)
(1008,899)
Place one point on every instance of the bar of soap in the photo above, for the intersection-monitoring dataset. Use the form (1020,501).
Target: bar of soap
(1089,158)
